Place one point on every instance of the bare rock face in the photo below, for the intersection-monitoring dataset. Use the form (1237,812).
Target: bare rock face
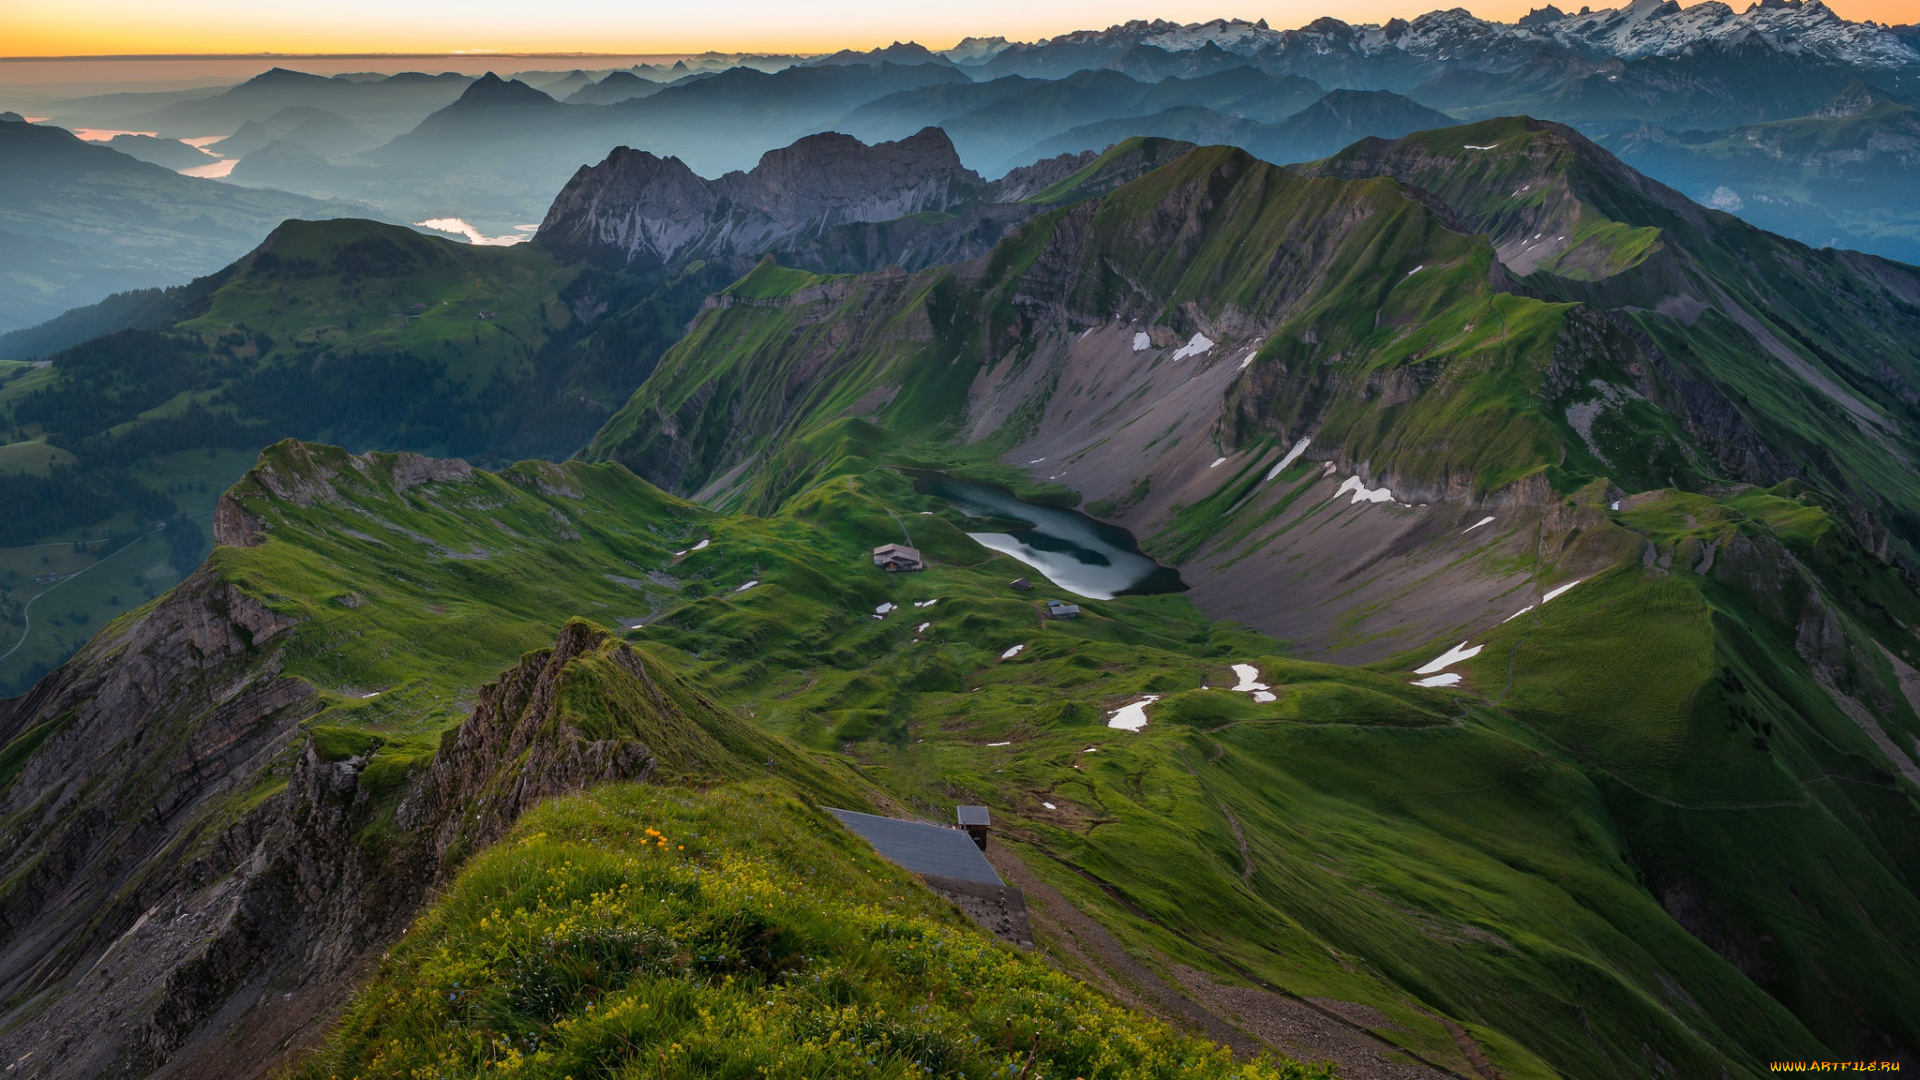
(831,179)
(636,209)
(234,527)
(828,203)
(148,732)
(157,911)
(632,208)
(517,749)
(412,470)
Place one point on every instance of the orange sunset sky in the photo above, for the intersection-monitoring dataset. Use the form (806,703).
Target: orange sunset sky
(141,27)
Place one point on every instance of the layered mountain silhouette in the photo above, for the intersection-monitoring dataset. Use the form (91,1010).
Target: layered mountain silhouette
(1826,176)
(828,202)
(85,220)
(1331,122)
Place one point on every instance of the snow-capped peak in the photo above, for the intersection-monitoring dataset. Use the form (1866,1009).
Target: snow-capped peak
(1664,28)
(1232,35)
(1642,28)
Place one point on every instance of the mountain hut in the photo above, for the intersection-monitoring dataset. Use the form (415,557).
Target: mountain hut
(898,558)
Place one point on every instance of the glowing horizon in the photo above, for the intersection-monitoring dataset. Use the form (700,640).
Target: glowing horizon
(231,28)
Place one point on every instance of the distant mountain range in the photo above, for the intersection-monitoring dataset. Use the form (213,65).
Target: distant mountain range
(493,150)
(1843,176)
(386,104)
(1331,122)
(1400,54)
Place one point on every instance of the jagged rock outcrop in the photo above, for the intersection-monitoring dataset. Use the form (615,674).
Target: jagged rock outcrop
(640,210)
(827,203)
(192,877)
(142,739)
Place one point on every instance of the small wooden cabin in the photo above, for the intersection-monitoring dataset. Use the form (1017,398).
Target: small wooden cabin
(976,822)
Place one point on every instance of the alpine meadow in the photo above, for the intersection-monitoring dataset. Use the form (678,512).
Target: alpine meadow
(1374,551)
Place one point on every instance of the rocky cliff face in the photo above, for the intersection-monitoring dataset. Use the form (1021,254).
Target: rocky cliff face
(828,203)
(1732,314)
(638,210)
(191,877)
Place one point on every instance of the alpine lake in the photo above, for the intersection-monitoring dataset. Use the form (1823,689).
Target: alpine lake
(1076,552)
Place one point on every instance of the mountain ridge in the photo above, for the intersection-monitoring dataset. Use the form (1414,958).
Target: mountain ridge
(827,202)
(1363,388)
(1337,418)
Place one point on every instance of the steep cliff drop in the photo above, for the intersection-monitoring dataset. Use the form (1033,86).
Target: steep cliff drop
(195,875)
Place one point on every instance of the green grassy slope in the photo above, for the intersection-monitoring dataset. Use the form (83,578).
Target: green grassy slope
(1813,354)
(1398,339)
(731,932)
(1420,852)
(1463,848)
(1664,824)
(363,334)
(1509,858)
(1357,271)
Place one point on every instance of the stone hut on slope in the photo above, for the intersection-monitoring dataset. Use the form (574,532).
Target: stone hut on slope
(898,558)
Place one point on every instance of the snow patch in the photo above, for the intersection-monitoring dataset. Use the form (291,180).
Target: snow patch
(1448,679)
(1449,658)
(748,585)
(1292,455)
(1249,676)
(1217,462)
(1011,653)
(1416,269)
(701,544)
(1132,717)
(1361,493)
(1049,806)
(1475,525)
(922,628)
(1008,743)
(884,608)
(1558,591)
(926,603)
(1141,341)
(1470,146)
(1197,344)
